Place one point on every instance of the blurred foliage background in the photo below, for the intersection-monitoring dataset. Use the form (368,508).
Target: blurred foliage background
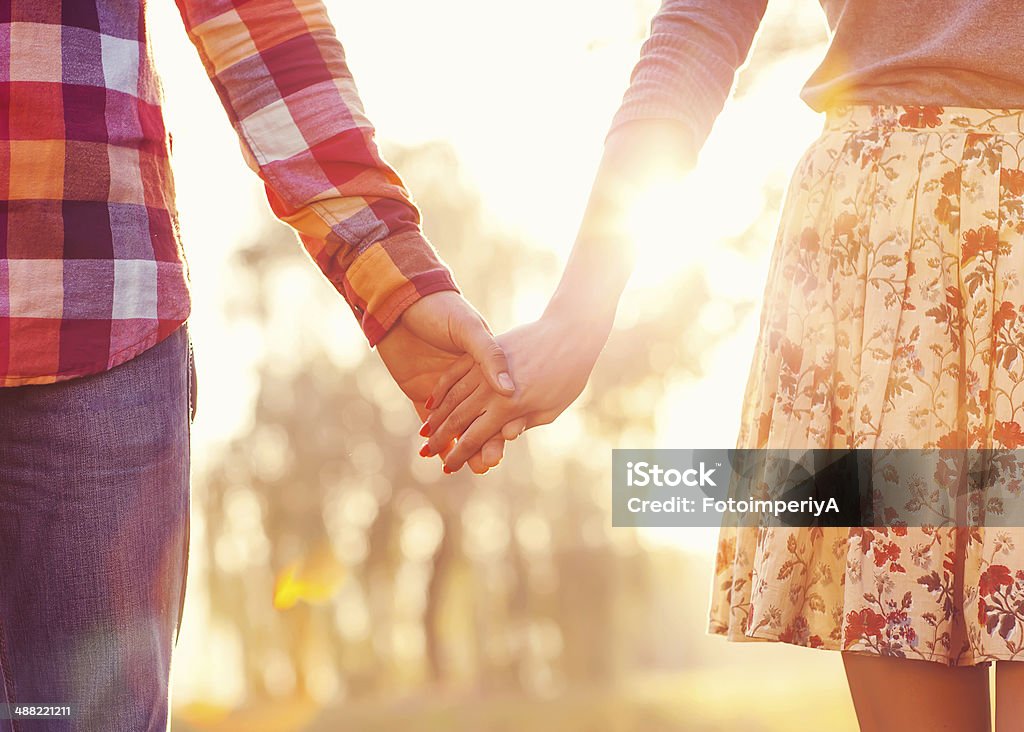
(340,582)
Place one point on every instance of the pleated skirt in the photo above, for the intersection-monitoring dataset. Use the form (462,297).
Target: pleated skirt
(893,317)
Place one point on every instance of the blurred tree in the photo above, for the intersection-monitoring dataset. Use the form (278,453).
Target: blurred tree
(345,567)
(353,557)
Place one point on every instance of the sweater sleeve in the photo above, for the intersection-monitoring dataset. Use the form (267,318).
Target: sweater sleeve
(688,64)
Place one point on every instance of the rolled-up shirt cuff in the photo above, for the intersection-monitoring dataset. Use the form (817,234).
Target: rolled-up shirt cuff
(391,275)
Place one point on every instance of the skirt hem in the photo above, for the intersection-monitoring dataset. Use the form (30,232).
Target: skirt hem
(762,636)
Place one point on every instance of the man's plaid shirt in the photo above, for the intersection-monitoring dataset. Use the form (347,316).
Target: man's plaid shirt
(92,271)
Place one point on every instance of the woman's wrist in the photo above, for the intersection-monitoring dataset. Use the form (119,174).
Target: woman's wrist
(637,149)
(636,154)
(583,313)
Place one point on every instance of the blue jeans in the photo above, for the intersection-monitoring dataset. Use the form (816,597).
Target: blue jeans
(94,524)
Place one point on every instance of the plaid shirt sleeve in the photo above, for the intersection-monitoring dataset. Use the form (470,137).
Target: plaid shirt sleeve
(281,75)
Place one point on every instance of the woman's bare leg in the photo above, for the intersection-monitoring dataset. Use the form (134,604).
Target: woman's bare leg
(900,695)
(1009,695)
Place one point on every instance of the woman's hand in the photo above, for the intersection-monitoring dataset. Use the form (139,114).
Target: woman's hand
(551,358)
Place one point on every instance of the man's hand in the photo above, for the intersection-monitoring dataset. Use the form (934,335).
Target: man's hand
(446,321)
(428,339)
(552,359)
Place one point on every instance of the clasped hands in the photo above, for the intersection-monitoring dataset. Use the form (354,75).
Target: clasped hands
(476,392)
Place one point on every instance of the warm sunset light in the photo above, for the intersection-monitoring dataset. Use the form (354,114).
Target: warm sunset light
(322,568)
(586,367)
(305,583)
(679,226)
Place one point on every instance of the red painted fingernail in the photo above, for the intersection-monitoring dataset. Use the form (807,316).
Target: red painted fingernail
(425,450)
(430,402)
(448,470)
(425,430)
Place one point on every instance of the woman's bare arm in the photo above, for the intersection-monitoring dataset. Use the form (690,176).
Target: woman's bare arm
(678,87)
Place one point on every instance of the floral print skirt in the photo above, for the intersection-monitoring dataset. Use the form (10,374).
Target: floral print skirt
(893,317)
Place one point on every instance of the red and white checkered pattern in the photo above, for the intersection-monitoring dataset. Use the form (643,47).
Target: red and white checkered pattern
(92,271)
